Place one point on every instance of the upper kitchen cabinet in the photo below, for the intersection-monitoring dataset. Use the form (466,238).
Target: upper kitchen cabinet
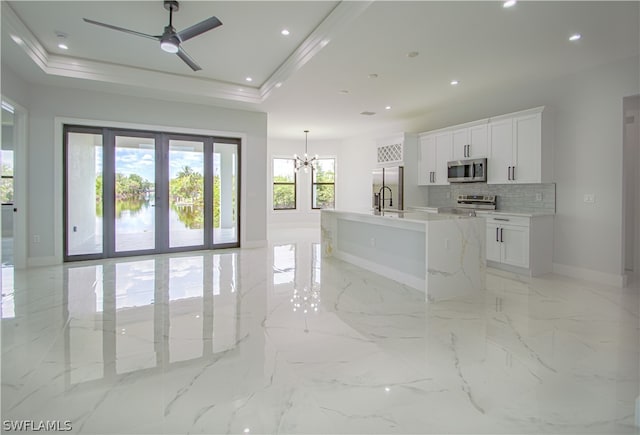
(518,151)
(435,151)
(470,141)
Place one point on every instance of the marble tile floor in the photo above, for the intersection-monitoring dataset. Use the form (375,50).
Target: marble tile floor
(278,340)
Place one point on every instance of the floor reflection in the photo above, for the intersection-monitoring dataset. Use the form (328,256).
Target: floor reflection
(297,274)
(137,315)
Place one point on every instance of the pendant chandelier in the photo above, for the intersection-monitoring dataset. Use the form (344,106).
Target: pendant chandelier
(305,163)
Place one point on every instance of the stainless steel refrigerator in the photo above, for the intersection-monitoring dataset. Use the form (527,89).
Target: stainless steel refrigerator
(387,188)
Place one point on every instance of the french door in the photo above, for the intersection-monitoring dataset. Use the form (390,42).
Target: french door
(137,192)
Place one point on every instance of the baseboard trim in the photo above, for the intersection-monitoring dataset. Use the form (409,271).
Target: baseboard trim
(43,261)
(590,275)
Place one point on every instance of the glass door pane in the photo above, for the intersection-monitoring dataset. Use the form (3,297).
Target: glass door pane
(225,193)
(84,193)
(6,183)
(135,217)
(186,193)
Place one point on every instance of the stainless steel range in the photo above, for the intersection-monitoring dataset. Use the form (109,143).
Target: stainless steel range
(468,204)
(477,202)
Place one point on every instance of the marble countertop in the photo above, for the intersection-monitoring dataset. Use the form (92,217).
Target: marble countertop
(514,213)
(426,209)
(408,216)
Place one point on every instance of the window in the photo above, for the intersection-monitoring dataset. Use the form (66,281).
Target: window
(6,184)
(284,184)
(323,188)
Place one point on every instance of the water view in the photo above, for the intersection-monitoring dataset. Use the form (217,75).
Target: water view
(134,194)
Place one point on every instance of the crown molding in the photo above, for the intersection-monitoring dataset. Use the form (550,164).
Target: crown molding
(66,66)
(338,19)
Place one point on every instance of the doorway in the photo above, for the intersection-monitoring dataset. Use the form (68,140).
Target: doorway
(631,188)
(130,192)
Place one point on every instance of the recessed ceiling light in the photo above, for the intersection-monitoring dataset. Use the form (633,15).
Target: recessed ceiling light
(285,32)
(509,3)
(454,82)
(413,54)
(249,79)
(279,84)
(575,37)
(62,40)
(387,107)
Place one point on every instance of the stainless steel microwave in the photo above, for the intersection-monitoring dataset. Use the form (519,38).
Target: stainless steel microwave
(467,171)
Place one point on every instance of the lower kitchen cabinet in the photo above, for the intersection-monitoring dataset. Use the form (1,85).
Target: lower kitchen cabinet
(508,244)
(520,244)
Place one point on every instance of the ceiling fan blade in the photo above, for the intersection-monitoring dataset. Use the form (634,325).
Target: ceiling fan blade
(122,29)
(187,59)
(197,29)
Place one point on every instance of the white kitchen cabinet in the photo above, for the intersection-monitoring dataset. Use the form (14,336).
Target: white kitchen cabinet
(516,149)
(500,160)
(527,134)
(508,243)
(470,142)
(520,244)
(435,153)
(443,156)
(426,160)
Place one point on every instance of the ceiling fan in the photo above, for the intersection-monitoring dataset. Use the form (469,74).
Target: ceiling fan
(170,40)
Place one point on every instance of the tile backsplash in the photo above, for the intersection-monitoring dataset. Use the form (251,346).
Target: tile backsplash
(521,198)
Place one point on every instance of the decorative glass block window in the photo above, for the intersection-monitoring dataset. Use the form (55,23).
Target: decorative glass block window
(390,153)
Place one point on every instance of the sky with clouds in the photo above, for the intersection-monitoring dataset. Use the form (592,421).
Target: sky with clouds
(142,162)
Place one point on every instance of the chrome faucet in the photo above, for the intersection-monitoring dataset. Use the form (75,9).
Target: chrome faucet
(381,197)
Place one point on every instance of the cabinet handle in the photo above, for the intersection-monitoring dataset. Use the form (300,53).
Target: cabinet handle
(509,173)
(513,173)
(497,237)
(501,234)
(501,219)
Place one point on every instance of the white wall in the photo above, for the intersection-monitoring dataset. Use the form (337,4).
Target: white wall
(45,103)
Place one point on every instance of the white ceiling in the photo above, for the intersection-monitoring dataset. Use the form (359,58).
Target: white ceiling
(333,46)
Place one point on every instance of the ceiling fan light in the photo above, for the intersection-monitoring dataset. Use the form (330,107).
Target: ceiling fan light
(169,46)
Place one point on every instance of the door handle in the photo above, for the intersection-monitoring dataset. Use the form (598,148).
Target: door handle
(497,232)
(501,234)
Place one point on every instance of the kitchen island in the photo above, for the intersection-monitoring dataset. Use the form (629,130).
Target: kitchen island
(441,255)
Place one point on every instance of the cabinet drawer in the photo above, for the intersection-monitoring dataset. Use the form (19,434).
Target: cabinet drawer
(510,220)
